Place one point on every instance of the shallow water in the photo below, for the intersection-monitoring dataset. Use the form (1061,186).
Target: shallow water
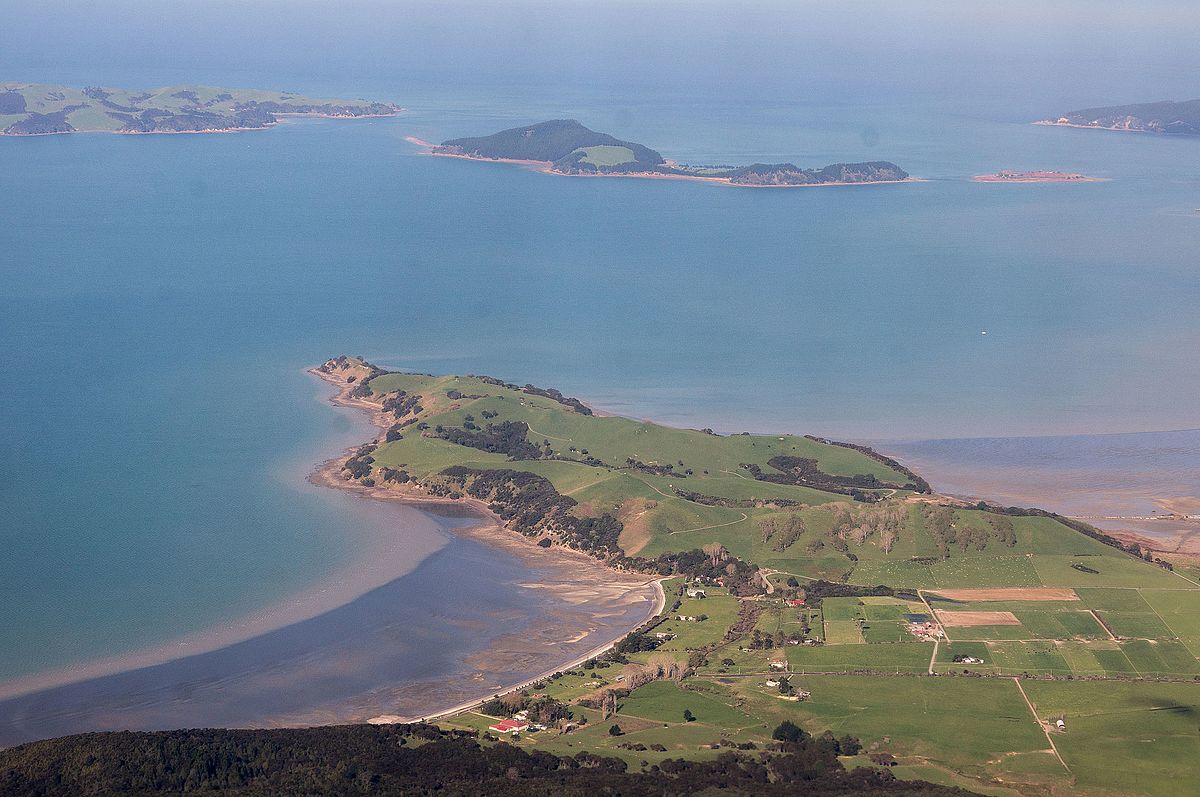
(1114,481)
(433,638)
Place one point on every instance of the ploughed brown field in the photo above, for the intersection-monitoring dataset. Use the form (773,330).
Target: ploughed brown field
(977,618)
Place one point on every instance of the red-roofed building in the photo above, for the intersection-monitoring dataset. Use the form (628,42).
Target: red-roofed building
(796,602)
(509,726)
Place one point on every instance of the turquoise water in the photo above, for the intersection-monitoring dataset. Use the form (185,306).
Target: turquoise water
(161,295)
(164,293)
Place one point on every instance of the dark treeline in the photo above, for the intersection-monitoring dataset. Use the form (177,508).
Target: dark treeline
(414,760)
(814,591)
(804,472)
(545,392)
(739,503)
(915,482)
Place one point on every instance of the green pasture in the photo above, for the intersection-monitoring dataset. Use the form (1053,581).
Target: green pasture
(1133,738)
(604,155)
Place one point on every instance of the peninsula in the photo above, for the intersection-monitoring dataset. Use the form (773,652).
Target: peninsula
(800,574)
(1165,118)
(564,146)
(30,109)
(1007,176)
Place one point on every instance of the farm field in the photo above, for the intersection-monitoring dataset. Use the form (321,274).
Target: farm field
(1132,738)
(841,608)
(604,155)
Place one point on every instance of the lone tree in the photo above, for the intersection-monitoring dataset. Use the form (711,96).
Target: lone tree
(789,731)
(615,731)
(688,716)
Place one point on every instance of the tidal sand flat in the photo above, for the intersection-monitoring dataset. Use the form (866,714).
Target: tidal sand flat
(1145,484)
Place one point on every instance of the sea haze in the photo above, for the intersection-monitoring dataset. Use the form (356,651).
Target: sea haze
(163,294)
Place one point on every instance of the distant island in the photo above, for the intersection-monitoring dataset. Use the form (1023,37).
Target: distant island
(32,109)
(1008,176)
(564,146)
(1167,118)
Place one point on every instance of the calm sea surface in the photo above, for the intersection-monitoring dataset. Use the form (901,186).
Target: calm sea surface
(162,294)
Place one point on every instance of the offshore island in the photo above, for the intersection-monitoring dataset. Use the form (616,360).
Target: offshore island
(1042,176)
(566,147)
(31,109)
(1164,118)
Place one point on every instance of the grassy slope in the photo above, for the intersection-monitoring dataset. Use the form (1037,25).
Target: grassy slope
(1043,554)
(672,523)
(604,155)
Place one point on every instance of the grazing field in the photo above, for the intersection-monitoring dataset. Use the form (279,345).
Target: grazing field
(604,155)
(1131,738)
(879,657)
(665,701)
(761,521)
(1007,594)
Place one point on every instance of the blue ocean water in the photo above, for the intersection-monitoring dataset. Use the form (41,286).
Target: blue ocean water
(162,294)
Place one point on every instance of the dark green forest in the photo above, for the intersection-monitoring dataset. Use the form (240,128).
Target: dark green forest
(413,760)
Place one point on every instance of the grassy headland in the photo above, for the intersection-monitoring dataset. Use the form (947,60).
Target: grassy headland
(36,109)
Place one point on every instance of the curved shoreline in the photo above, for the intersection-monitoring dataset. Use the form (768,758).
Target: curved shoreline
(348,582)
(583,573)
(491,532)
(461,708)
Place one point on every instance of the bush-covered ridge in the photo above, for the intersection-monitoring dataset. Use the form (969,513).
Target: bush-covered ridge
(411,760)
(557,141)
(565,145)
